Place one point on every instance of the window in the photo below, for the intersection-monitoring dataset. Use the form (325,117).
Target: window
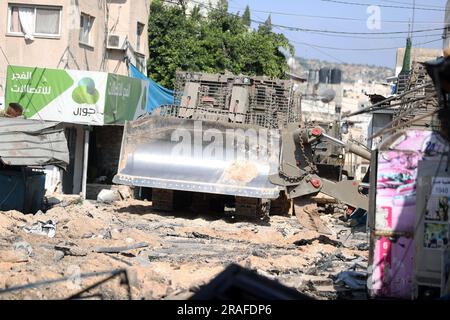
(140,31)
(30,21)
(86,23)
(140,63)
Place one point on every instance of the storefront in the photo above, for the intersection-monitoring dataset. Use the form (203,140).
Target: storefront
(91,106)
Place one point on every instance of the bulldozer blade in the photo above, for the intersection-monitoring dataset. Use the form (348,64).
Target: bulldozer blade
(199,156)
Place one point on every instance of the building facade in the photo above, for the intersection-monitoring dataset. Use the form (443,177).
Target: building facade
(97,35)
(416,55)
(92,35)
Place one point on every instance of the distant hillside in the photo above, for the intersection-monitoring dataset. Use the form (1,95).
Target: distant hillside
(351,72)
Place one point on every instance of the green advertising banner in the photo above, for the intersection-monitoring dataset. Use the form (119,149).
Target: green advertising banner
(124,91)
(74,96)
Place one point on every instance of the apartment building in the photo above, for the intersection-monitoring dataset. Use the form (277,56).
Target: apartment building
(91,35)
(94,35)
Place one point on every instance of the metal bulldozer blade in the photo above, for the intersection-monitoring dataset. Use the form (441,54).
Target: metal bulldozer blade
(199,156)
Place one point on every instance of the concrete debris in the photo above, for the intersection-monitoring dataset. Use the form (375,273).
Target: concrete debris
(352,279)
(259,253)
(108,196)
(121,249)
(172,255)
(58,256)
(106,235)
(363,246)
(42,228)
(13,256)
(71,250)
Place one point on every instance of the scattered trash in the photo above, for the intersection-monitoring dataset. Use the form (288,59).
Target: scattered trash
(346,258)
(353,279)
(42,228)
(108,196)
(358,218)
(39,213)
(322,239)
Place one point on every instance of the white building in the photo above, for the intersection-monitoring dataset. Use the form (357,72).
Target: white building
(204,5)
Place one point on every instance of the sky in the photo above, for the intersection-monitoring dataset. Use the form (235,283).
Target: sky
(315,14)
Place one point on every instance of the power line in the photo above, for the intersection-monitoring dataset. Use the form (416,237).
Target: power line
(376,38)
(384,5)
(301,29)
(408,3)
(291,28)
(359,49)
(323,52)
(332,17)
(334,32)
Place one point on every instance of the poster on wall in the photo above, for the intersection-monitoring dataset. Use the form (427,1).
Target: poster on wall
(436,236)
(437,209)
(74,96)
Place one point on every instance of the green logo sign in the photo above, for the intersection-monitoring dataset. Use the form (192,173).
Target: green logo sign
(85,93)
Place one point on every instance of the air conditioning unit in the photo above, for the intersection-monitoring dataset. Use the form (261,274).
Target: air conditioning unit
(116,42)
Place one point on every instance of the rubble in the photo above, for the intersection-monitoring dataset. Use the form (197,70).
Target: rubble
(42,228)
(108,196)
(170,255)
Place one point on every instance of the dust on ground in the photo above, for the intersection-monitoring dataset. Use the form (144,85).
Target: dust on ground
(177,252)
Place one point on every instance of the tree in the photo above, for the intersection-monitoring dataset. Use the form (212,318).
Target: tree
(246,18)
(215,43)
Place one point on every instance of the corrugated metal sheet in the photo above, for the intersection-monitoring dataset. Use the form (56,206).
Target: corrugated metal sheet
(26,142)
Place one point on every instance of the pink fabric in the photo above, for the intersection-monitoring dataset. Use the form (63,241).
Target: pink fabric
(392,268)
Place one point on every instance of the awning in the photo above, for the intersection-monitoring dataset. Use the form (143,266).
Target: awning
(32,143)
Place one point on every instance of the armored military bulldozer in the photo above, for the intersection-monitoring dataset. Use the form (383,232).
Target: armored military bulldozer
(235,143)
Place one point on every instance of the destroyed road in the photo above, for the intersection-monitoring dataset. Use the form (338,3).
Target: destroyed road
(171,255)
